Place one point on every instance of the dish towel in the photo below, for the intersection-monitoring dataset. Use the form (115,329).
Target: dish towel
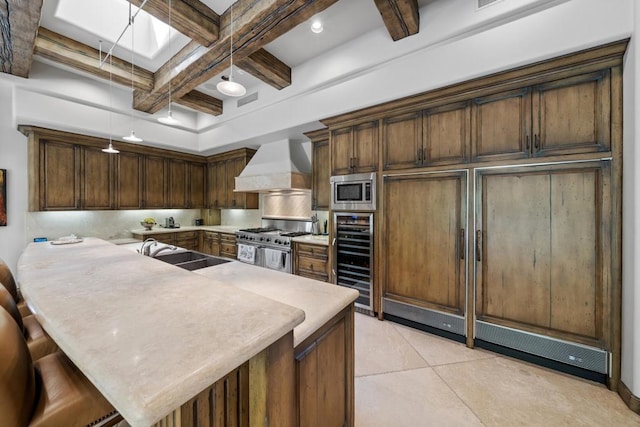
(274,259)
(247,253)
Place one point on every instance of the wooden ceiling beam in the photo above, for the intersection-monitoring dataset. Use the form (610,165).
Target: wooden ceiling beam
(401,17)
(255,25)
(192,18)
(64,50)
(266,67)
(19,22)
(201,102)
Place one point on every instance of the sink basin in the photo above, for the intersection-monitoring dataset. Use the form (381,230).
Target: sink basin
(191,260)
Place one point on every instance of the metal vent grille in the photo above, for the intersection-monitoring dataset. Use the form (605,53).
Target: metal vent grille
(582,356)
(248,99)
(484,3)
(435,319)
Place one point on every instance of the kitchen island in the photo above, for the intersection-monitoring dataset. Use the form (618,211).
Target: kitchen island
(161,343)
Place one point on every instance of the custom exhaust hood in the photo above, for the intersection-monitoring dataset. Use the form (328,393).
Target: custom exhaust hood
(277,166)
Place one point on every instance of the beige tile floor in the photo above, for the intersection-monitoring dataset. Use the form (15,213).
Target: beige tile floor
(405,377)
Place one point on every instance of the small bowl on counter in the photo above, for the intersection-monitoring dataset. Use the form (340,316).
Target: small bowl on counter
(147,225)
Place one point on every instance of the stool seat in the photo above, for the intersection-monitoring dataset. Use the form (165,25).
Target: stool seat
(38,342)
(7,280)
(50,393)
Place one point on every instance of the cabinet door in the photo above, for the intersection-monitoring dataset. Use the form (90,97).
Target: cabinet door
(542,250)
(97,179)
(501,126)
(177,183)
(197,186)
(341,151)
(212,190)
(447,134)
(154,182)
(402,141)
(365,147)
(211,243)
(424,230)
(234,200)
(221,185)
(573,115)
(129,183)
(187,240)
(321,191)
(59,176)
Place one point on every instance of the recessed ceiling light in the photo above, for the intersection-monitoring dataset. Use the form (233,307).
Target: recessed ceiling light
(316,26)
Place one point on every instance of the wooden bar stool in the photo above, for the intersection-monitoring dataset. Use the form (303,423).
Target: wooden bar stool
(7,280)
(38,342)
(48,393)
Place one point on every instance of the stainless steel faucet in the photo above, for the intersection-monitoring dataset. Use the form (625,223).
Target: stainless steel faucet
(145,249)
(164,248)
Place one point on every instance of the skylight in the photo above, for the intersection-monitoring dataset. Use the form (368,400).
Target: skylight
(107,18)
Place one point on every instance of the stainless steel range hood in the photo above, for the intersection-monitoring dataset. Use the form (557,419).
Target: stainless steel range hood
(277,166)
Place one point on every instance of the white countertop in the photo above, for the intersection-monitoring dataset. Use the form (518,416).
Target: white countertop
(320,301)
(157,229)
(147,334)
(313,239)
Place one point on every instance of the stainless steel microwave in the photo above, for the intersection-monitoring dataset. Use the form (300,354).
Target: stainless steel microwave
(356,192)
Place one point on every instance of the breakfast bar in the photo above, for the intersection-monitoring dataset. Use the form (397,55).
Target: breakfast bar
(161,343)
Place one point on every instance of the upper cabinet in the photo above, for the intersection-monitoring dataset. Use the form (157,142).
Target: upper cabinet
(434,136)
(320,169)
(70,172)
(222,171)
(354,149)
(566,116)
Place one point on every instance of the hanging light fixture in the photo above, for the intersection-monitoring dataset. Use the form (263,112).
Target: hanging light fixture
(227,86)
(169,120)
(132,137)
(110,148)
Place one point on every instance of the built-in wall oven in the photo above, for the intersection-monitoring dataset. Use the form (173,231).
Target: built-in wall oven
(353,259)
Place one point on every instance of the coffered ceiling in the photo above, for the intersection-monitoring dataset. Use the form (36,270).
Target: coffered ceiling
(270,37)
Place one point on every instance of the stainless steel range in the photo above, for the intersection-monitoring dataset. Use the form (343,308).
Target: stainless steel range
(267,246)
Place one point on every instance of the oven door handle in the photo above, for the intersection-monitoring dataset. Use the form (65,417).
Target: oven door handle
(283,257)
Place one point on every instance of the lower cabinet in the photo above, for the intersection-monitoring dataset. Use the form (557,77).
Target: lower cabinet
(228,245)
(325,374)
(210,243)
(311,261)
(187,239)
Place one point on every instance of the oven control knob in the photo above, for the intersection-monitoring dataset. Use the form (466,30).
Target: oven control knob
(287,243)
(278,241)
(261,239)
(267,240)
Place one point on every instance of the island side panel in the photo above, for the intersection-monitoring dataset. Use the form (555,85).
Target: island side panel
(325,374)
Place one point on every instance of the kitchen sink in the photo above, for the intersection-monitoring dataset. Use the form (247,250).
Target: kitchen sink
(191,260)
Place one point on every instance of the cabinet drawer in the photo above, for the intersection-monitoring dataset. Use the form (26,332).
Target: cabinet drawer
(211,235)
(187,235)
(228,250)
(227,238)
(313,251)
(168,238)
(312,265)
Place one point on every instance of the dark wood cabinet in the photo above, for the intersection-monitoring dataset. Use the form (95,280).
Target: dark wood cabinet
(228,245)
(59,176)
(222,171)
(196,185)
(430,137)
(566,116)
(187,239)
(211,243)
(129,182)
(311,261)
(155,182)
(177,183)
(320,169)
(98,180)
(354,149)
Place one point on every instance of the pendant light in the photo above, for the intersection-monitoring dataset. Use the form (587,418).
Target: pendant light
(169,120)
(227,86)
(110,148)
(132,137)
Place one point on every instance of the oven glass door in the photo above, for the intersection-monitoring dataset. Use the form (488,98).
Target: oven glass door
(276,259)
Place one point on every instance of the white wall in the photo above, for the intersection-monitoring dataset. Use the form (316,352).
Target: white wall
(631,217)
(13,158)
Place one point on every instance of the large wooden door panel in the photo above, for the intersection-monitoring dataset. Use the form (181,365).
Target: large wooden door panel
(515,248)
(423,221)
(542,250)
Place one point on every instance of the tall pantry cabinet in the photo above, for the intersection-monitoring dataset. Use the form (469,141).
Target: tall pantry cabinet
(499,210)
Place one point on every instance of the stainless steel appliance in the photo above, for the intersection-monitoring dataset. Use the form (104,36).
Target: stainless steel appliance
(267,247)
(356,192)
(353,260)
